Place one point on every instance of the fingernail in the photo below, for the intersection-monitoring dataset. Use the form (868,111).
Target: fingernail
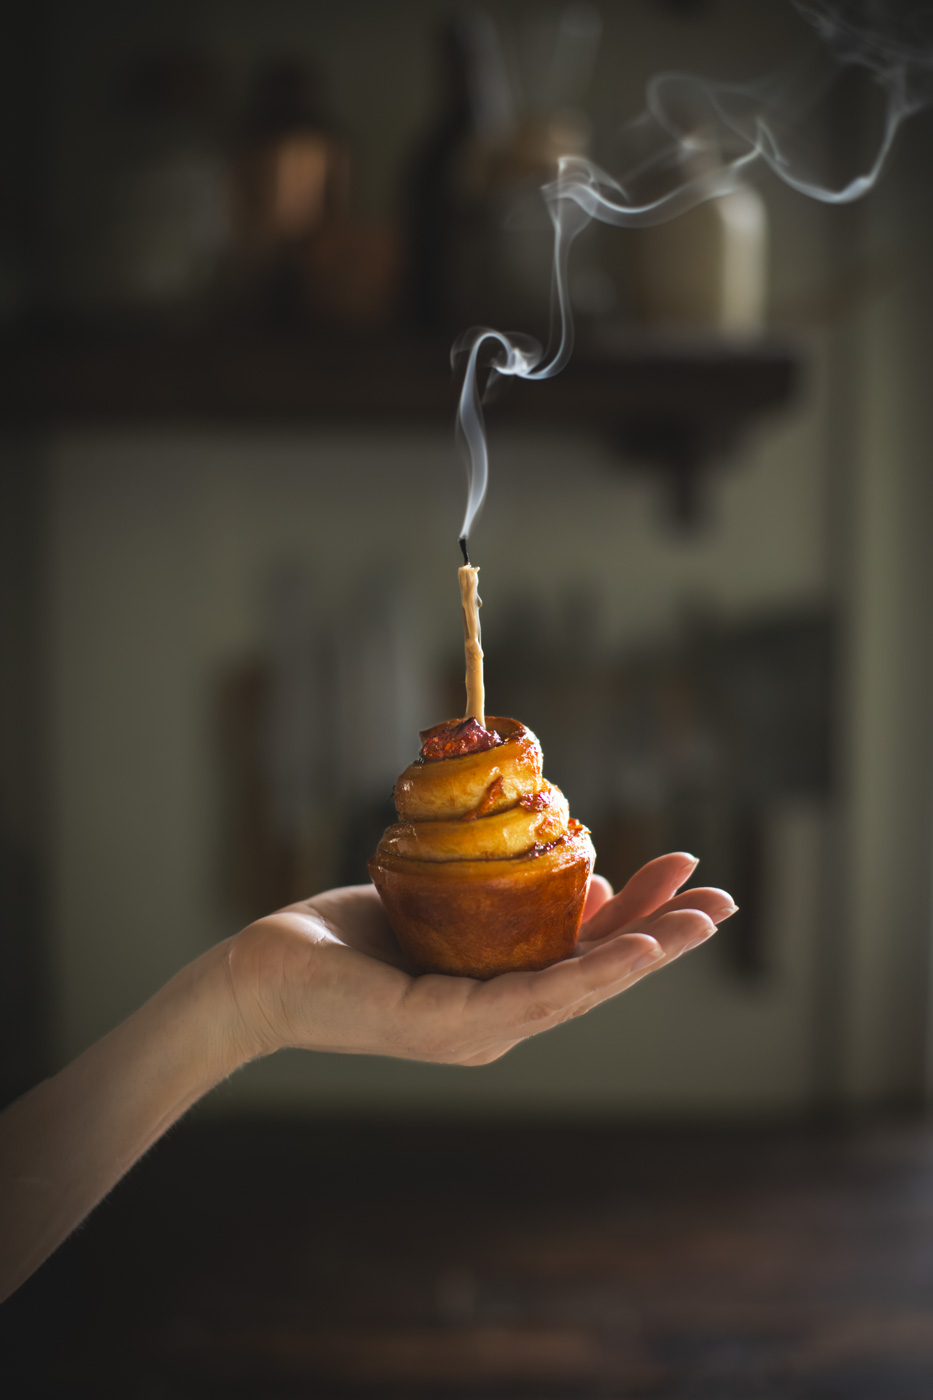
(726,912)
(647,959)
(688,947)
(693,860)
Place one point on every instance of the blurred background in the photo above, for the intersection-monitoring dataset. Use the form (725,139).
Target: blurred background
(236,241)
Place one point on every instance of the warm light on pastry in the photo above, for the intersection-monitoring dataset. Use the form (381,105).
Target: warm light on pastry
(485,871)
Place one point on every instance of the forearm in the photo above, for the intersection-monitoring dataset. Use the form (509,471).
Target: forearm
(67,1142)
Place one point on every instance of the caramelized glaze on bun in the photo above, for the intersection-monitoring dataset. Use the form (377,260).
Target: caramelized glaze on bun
(485,871)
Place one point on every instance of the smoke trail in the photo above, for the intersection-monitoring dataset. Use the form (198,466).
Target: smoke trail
(697,140)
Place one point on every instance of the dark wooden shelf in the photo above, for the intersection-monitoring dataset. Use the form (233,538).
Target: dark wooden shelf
(672,402)
(118,378)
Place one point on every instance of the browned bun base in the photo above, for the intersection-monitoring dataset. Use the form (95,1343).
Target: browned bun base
(479,918)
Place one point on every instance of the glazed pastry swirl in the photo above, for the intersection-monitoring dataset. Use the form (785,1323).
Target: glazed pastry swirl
(484,872)
(492,805)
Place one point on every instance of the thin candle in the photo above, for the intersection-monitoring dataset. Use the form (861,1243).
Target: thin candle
(471,603)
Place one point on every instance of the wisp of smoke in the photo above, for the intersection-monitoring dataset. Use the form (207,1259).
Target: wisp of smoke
(697,140)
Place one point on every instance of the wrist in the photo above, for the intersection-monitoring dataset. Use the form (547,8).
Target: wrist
(231,1041)
(262,964)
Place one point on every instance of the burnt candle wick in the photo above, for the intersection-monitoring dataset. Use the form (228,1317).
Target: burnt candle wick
(463,548)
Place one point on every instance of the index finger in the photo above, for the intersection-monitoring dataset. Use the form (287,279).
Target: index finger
(514,1000)
(519,1004)
(649,887)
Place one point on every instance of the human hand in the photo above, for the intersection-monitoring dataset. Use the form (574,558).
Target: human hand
(328,974)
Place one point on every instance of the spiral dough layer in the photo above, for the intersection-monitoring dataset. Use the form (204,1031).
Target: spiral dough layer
(484,806)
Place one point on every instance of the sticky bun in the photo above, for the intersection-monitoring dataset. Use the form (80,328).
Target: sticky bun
(485,870)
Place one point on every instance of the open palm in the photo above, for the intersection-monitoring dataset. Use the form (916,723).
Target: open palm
(328,974)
